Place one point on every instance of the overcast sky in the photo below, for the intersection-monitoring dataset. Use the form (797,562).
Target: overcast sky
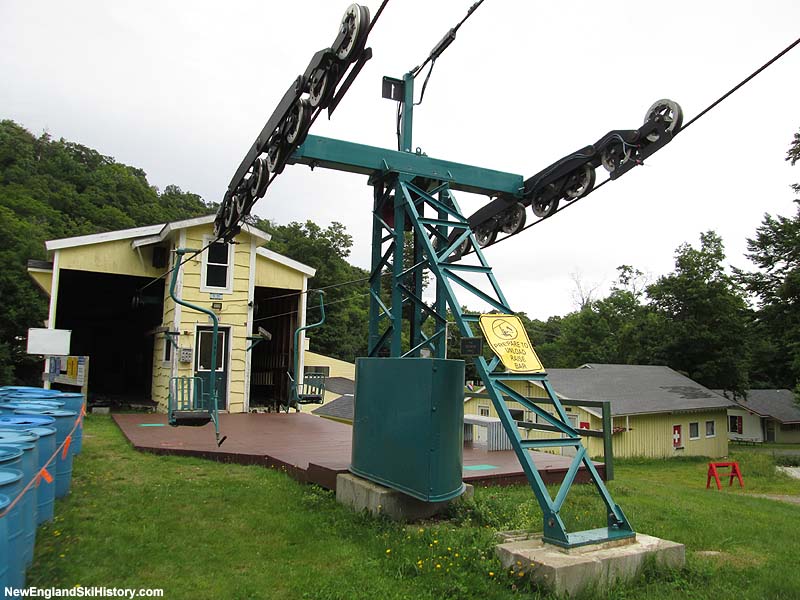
(181,89)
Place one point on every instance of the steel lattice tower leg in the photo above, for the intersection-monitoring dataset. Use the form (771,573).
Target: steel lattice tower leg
(401,202)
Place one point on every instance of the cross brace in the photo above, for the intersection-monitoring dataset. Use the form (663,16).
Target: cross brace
(410,245)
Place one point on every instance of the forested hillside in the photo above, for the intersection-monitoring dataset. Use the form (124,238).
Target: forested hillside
(726,329)
(52,189)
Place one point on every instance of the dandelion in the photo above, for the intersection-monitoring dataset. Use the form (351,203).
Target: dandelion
(435,541)
(438,566)
(521,573)
(456,554)
(449,549)
(491,573)
(421,530)
(388,551)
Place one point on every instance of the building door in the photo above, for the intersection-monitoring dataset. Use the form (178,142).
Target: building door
(570,450)
(770,430)
(677,438)
(202,362)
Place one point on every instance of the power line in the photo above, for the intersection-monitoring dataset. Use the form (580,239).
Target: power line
(695,118)
(743,82)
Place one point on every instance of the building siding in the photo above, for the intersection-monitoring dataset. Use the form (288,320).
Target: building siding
(752,428)
(649,436)
(275,275)
(117,257)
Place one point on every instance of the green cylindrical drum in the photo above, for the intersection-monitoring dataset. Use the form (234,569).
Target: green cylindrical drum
(64,422)
(11,485)
(408,425)
(29,443)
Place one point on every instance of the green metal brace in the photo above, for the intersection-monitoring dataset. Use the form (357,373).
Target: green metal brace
(212,392)
(294,398)
(405,183)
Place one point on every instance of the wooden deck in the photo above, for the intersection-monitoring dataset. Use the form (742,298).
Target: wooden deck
(312,449)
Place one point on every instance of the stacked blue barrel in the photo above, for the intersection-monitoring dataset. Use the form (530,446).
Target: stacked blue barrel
(40,432)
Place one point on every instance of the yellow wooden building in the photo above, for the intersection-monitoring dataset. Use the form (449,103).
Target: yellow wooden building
(656,412)
(109,291)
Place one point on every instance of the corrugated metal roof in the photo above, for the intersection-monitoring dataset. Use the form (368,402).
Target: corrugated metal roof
(635,389)
(340,408)
(340,385)
(778,404)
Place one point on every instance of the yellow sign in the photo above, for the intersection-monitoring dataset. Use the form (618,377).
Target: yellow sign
(72,367)
(509,341)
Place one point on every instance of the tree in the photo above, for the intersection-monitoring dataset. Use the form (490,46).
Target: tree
(345,332)
(705,317)
(775,251)
(51,189)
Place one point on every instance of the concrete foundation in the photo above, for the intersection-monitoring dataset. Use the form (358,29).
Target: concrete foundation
(361,494)
(570,571)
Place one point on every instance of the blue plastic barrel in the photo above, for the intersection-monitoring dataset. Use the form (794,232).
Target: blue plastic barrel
(11,485)
(4,553)
(28,442)
(77,402)
(42,426)
(45,492)
(64,422)
(12,403)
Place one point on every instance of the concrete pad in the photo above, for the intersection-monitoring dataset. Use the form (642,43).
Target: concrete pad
(361,494)
(570,571)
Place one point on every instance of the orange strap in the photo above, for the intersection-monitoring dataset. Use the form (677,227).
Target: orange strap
(45,474)
(67,442)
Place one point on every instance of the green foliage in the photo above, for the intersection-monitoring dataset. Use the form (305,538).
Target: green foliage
(51,189)
(344,334)
(707,317)
(202,538)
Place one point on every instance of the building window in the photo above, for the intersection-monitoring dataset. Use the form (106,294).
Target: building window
(735,424)
(694,431)
(483,411)
(167,349)
(711,428)
(517,414)
(326,371)
(216,273)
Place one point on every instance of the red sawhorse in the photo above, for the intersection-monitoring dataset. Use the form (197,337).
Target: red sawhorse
(712,472)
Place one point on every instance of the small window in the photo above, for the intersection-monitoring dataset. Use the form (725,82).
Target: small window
(711,428)
(217,267)
(517,414)
(326,371)
(735,424)
(167,349)
(484,411)
(694,431)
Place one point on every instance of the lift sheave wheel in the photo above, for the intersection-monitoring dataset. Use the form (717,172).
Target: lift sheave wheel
(666,111)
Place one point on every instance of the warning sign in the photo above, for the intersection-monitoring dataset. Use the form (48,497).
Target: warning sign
(509,341)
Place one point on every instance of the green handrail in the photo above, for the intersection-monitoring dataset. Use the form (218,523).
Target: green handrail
(179,252)
(294,377)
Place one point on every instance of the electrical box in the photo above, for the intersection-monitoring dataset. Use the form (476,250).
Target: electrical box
(185,355)
(408,427)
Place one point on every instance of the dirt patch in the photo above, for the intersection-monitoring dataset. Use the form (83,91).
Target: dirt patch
(740,559)
(779,497)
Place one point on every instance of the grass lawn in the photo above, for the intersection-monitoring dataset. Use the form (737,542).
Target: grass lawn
(201,530)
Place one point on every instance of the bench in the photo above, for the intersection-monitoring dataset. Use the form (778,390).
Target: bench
(747,441)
